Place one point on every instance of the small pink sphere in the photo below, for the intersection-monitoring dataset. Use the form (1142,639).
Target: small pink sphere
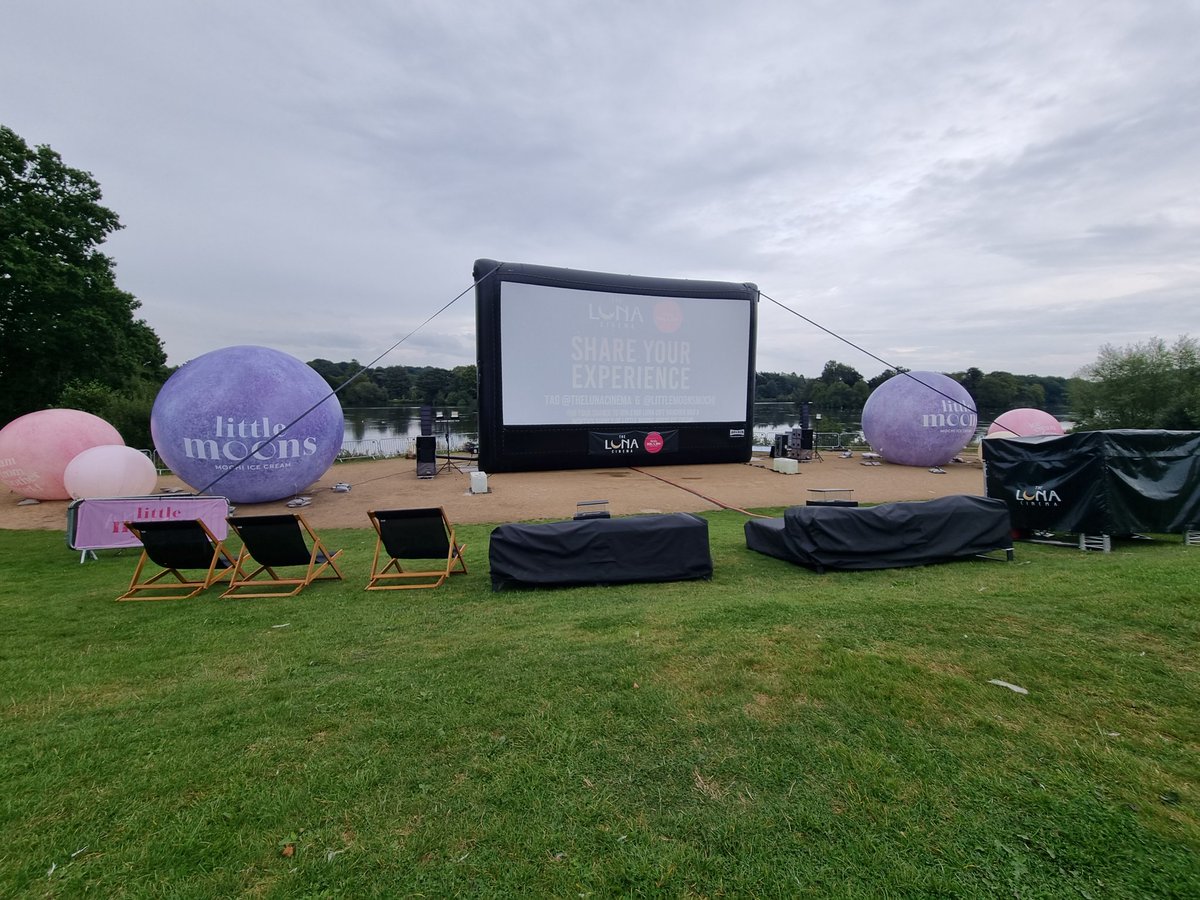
(110,471)
(36,448)
(1026,422)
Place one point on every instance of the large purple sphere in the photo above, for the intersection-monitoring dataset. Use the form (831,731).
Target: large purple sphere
(223,416)
(919,419)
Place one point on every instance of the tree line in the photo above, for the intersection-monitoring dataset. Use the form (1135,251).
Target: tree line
(70,337)
(840,388)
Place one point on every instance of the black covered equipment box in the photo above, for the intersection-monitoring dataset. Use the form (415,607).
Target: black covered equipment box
(666,547)
(1098,482)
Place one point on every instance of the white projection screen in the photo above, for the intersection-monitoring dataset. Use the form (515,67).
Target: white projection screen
(581,369)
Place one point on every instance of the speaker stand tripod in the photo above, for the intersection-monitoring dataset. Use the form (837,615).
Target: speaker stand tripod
(450,462)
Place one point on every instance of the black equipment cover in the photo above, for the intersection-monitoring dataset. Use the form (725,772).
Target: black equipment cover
(670,547)
(1098,482)
(892,535)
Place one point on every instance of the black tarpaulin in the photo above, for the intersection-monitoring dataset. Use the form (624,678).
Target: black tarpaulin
(670,547)
(1120,481)
(892,535)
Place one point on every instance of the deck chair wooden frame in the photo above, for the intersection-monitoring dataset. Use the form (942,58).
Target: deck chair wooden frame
(174,545)
(413,534)
(273,542)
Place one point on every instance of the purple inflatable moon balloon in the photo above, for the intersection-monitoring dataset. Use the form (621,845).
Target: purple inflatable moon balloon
(919,419)
(223,416)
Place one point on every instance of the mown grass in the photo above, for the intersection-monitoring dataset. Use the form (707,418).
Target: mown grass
(769,733)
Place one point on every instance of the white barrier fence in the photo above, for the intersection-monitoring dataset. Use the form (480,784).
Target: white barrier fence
(391,447)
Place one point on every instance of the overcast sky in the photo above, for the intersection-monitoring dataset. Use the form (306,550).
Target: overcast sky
(946,184)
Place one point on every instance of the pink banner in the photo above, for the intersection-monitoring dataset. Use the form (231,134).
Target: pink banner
(100,524)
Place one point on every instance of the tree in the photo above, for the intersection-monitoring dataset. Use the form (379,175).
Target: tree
(363,392)
(969,379)
(432,384)
(333,373)
(62,317)
(127,412)
(396,381)
(885,375)
(840,372)
(997,392)
(463,387)
(779,387)
(1147,385)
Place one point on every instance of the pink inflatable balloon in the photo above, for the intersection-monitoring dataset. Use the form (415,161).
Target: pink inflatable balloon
(110,471)
(1026,422)
(35,449)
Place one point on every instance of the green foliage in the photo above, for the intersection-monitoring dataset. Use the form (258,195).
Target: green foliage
(62,316)
(463,386)
(838,396)
(1145,385)
(399,384)
(886,374)
(769,733)
(841,390)
(780,386)
(431,383)
(127,411)
(996,392)
(836,372)
(396,381)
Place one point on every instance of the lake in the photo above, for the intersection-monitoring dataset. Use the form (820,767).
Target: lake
(390,430)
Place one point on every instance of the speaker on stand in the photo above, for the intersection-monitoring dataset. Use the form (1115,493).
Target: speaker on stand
(426,456)
(808,445)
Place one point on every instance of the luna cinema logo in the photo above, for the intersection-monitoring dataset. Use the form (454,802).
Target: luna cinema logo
(622,316)
(1039,496)
(236,441)
(621,444)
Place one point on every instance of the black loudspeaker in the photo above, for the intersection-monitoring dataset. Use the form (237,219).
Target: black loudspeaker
(806,439)
(426,456)
(426,422)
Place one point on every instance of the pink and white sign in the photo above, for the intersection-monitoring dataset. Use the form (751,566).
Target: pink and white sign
(99,524)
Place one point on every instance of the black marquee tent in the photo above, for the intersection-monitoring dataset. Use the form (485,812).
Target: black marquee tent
(1114,482)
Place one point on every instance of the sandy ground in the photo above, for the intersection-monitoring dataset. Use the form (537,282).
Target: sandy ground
(521,496)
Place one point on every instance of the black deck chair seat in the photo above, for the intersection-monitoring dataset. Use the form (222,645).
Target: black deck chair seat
(274,542)
(424,535)
(176,545)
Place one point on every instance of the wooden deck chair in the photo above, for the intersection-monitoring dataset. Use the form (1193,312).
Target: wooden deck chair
(174,545)
(284,541)
(414,534)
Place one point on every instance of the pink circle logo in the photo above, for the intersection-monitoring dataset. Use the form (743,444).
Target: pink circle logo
(654,442)
(668,316)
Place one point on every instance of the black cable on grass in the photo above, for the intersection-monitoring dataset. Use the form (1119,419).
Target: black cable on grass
(834,334)
(351,379)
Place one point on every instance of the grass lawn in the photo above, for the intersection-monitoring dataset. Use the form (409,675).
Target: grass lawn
(769,733)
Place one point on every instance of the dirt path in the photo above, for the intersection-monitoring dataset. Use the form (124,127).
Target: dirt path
(521,496)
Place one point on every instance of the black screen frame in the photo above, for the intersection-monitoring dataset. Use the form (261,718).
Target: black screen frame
(528,447)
